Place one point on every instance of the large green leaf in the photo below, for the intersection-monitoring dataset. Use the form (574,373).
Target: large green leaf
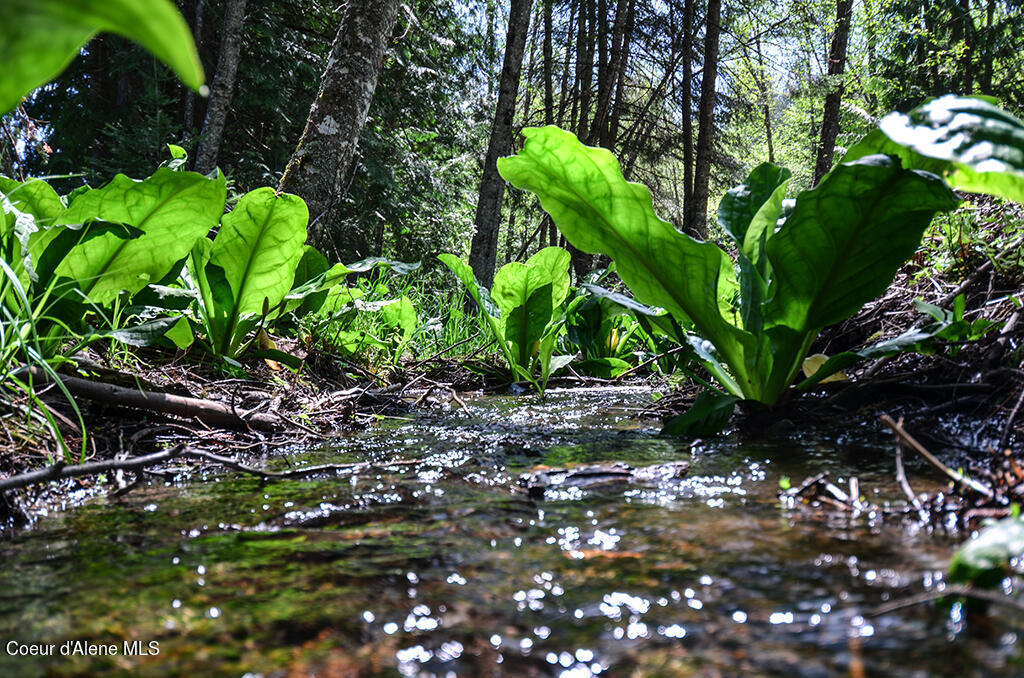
(738,207)
(170,211)
(30,209)
(39,38)
(480,294)
(584,191)
(984,561)
(259,245)
(258,248)
(971,142)
(845,240)
(528,294)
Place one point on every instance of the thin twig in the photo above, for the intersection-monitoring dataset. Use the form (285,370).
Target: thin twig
(445,350)
(901,478)
(673,351)
(1004,439)
(966,591)
(460,401)
(61,470)
(912,443)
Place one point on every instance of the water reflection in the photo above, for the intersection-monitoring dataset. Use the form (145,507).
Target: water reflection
(446,568)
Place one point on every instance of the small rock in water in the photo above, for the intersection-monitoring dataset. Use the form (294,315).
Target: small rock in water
(539,480)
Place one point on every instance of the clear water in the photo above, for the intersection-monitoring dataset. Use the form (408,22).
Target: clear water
(445,569)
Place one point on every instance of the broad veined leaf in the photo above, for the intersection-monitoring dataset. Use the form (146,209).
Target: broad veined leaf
(603,368)
(147,333)
(971,142)
(480,294)
(845,240)
(308,293)
(709,415)
(171,210)
(35,197)
(370,263)
(584,191)
(739,205)
(39,38)
(31,209)
(214,290)
(555,262)
(259,245)
(524,295)
(402,315)
(528,294)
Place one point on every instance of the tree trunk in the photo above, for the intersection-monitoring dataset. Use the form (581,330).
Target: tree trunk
(620,84)
(484,249)
(836,67)
(967,31)
(322,161)
(223,87)
(986,72)
(190,96)
(565,97)
(599,130)
(762,81)
(491,46)
(706,123)
(549,66)
(585,64)
(687,108)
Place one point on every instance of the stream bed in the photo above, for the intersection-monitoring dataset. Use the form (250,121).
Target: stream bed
(446,568)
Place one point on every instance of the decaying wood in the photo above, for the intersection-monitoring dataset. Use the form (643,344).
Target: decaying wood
(207,411)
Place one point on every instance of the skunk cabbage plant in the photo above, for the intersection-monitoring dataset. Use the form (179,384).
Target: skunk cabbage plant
(523,310)
(798,269)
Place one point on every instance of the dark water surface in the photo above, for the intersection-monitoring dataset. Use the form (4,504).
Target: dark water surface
(442,570)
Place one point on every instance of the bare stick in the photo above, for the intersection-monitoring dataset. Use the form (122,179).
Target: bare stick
(1004,439)
(207,411)
(956,476)
(444,350)
(966,591)
(61,470)
(901,478)
(656,358)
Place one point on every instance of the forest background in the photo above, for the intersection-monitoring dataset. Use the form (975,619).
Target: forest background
(689,95)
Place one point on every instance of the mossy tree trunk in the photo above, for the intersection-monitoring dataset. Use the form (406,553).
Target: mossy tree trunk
(320,167)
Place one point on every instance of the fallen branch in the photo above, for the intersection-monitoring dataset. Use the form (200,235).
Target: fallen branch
(901,478)
(672,351)
(61,470)
(931,596)
(207,411)
(955,476)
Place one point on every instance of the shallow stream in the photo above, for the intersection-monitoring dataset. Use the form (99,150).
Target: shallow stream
(444,569)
